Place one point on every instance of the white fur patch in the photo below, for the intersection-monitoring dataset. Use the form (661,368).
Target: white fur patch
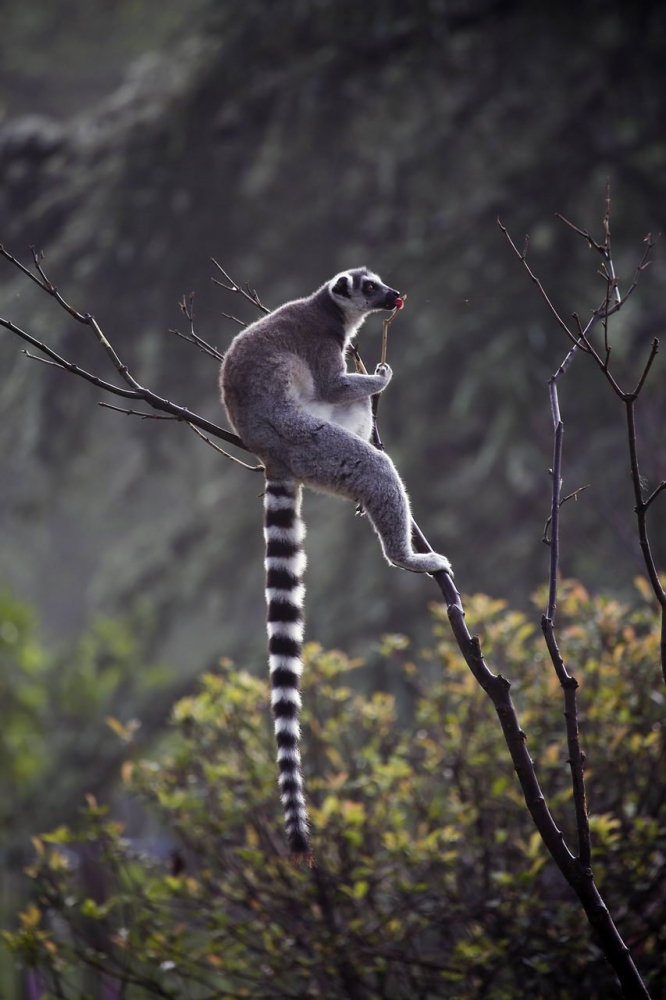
(290,694)
(278,661)
(290,630)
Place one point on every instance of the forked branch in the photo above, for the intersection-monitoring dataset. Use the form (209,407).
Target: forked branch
(612,303)
(134,389)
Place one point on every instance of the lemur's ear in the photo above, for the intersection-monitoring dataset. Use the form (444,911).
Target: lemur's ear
(341,287)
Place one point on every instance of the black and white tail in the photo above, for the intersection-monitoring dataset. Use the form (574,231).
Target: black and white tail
(285,563)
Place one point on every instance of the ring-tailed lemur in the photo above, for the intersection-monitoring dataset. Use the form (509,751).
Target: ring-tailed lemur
(288,394)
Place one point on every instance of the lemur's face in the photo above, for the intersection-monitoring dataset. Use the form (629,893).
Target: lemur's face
(361,291)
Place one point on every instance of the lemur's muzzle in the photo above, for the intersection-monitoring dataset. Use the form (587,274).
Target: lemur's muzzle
(393,300)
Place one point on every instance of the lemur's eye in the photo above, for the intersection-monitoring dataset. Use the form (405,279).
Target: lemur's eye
(370,287)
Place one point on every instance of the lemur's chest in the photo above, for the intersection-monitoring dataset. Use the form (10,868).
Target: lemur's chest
(355,416)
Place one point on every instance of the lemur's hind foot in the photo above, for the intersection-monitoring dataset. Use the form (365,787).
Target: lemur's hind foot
(427,562)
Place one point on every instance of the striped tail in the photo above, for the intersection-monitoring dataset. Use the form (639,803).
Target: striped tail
(285,562)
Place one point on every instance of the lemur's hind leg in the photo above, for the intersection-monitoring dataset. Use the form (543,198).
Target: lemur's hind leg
(368,476)
(388,509)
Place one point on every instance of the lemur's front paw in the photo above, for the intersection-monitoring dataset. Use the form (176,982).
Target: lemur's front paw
(385,371)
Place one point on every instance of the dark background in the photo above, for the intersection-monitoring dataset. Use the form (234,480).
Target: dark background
(138,139)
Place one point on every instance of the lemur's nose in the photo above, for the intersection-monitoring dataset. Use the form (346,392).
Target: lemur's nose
(393,299)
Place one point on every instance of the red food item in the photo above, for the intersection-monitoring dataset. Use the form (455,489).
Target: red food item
(399,303)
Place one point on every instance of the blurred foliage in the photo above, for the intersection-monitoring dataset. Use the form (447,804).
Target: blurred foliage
(429,879)
(288,141)
(60,715)
(58,56)
(58,712)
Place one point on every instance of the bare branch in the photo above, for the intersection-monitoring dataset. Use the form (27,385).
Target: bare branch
(43,284)
(42,361)
(655,493)
(568,682)
(613,301)
(599,247)
(136,391)
(385,325)
(603,313)
(251,468)
(642,265)
(542,291)
(565,364)
(641,508)
(49,287)
(234,319)
(186,306)
(360,367)
(247,293)
(358,361)
(68,366)
(570,496)
(136,413)
(556,477)
(654,350)
(576,759)
(198,342)
(87,319)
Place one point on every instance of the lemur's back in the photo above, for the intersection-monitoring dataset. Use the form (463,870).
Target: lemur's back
(272,370)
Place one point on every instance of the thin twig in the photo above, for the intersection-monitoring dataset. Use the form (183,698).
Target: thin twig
(136,413)
(617,952)
(385,325)
(654,350)
(136,391)
(68,366)
(599,247)
(375,438)
(576,758)
(568,682)
(251,468)
(641,509)
(556,503)
(655,493)
(198,342)
(358,361)
(42,361)
(186,305)
(234,319)
(542,290)
(247,293)
(570,496)
(28,273)
(603,311)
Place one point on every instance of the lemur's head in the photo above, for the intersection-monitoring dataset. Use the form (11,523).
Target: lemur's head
(359,292)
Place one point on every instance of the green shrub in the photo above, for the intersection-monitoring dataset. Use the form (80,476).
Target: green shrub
(429,879)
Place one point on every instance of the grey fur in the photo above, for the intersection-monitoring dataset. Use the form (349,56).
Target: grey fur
(288,394)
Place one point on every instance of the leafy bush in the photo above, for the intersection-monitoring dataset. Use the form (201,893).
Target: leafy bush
(56,744)
(53,713)
(429,879)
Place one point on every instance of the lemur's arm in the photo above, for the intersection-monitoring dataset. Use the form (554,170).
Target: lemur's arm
(349,388)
